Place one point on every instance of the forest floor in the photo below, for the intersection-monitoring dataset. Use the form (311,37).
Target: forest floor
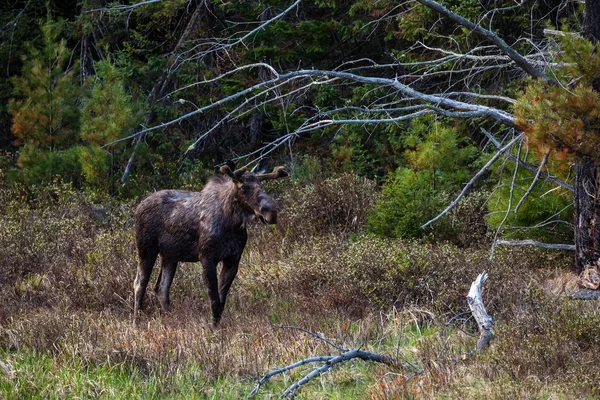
(66,328)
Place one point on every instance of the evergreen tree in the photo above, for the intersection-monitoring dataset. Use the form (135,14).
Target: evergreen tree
(45,112)
(108,114)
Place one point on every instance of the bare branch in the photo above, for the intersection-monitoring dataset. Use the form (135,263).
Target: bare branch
(223,45)
(530,242)
(528,167)
(349,355)
(472,181)
(516,57)
(461,109)
(281,370)
(535,178)
(315,335)
(123,7)
(510,201)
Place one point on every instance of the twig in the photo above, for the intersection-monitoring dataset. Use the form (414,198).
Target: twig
(472,181)
(122,7)
(510,201)
(535,178)
(315,335)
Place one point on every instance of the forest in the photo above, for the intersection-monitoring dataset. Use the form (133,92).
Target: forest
(424,143)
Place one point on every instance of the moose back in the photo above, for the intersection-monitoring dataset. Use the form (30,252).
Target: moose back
(207,226)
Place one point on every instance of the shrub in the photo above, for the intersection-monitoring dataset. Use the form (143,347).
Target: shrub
(338,205)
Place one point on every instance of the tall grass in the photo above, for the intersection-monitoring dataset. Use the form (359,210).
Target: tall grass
(68,264)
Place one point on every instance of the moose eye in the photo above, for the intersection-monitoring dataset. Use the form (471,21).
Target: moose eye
(245,188)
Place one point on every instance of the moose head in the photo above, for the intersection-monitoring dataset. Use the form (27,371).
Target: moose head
(249,188)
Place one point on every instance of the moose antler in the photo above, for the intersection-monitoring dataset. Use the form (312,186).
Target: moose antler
(228,169)
(278,172)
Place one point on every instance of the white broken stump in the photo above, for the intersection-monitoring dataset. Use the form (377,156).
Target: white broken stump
(484,321)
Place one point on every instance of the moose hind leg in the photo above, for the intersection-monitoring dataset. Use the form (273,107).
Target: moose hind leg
(163,284)
(145,265)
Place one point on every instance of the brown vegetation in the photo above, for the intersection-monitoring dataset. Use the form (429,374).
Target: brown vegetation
(68,264)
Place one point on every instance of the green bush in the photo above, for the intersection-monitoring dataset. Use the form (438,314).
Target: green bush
(437,163)
(545,215)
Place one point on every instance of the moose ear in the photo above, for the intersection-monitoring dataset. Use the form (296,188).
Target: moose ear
(261,167)
(230,164)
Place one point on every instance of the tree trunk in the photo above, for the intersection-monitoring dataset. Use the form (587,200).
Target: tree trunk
(587,213)
(591,20)
(587,168)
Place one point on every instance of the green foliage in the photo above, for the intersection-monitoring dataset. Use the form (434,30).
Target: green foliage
(41,166)
(564,119)
(543,206)
(408,202)
(109,113)
(437,163)
(45,113)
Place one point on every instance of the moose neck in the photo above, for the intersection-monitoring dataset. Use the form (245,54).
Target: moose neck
(224,192)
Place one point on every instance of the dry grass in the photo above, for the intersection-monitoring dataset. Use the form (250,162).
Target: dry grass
(68,268)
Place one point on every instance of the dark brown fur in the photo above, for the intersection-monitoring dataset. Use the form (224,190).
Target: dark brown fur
(207,226)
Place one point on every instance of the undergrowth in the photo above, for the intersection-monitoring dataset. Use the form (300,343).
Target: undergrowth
(68,264)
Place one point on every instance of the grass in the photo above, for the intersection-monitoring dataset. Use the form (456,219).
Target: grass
(69,371)
(66,331)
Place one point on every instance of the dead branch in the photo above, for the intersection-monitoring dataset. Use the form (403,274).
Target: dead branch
(528,167)
(484,321)
(454,108)
(530,242)
(313,334)
(501,44)
(329,362)
(122,7)
(535,178)
(472,181)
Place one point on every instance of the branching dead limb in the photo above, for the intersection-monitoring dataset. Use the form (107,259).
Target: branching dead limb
(501,44)
(329,362)
(472,181)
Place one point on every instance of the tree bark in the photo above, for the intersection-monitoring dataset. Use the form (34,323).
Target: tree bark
(587,213)
(586,201)
(591,20)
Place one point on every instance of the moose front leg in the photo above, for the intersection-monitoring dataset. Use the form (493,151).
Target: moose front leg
(228,273)
(210,278)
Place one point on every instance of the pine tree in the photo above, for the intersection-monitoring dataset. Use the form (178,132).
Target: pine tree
(45,112)
(108,114)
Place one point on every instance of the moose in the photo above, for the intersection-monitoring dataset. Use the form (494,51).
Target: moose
(207,226)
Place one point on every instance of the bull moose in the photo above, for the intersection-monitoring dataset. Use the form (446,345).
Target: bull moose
(207,226)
